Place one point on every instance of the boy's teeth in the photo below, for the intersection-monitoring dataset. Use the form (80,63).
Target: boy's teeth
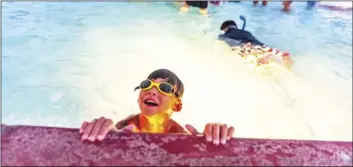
(150,102)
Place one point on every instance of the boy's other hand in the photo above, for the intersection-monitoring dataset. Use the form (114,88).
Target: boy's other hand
(214,132)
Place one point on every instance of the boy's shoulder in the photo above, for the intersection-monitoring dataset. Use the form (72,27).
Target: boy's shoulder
(176,128)
(125,122)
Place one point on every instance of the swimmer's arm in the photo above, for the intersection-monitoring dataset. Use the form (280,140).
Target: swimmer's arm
(222,37)
(231,42)
(177,128)
(124,122)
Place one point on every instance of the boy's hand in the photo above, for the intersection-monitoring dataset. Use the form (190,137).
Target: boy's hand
(215,133)
(99,128)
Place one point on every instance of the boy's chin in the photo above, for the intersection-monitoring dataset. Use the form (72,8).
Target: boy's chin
(150,111)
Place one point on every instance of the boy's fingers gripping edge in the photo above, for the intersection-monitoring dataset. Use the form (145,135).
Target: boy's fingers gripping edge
(96,128)
(230,133)
(105,128)
(208,132)
(87,130)
(224,133)
(216,133)
(83,126)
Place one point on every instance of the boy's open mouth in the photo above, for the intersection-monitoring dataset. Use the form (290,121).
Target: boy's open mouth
(150,102)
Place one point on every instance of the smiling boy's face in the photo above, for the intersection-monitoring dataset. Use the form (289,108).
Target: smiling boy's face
(153,102)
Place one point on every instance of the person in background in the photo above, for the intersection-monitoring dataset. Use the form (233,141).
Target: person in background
(234,36)
(264,3)
(216,3)
(310,4)
(202,5)
(286,5)
(250,48)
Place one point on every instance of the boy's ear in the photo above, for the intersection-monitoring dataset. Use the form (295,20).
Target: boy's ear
(178,105)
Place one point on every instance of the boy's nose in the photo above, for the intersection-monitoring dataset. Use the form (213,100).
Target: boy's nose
(153,91)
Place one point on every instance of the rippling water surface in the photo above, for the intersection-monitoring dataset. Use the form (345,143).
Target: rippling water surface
(63,63)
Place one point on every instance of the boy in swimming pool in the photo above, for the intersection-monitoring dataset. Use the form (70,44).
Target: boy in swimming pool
(234,36)
(161,95)
(250,48)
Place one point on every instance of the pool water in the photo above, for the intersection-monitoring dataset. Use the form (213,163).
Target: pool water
(64,63)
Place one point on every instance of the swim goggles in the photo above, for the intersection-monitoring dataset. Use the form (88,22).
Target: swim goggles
(164,87)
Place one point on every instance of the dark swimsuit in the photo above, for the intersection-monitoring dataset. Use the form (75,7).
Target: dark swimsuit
(198,4)
(236,37)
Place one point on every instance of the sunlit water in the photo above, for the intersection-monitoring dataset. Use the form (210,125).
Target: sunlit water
(63,63)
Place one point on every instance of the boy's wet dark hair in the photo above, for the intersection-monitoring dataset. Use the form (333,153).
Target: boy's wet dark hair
(172,79)
(228,23)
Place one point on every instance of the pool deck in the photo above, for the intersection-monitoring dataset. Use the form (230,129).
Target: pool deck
(62,146)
